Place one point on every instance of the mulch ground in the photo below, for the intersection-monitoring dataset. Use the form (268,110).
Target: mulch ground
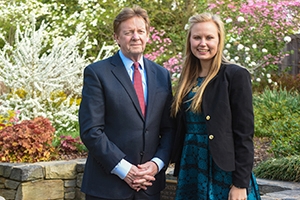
(261,148)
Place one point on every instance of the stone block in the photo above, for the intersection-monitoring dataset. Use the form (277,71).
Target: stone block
(8,194)
(5,169)
(70,195)
(26,172)
(70,183)
(79,195)
(10,184)
(2,180)
(79,179)
(60,169)
(70,189)
(80,165)
(41,190)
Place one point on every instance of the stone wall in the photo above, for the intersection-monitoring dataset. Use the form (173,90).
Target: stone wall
(59,180)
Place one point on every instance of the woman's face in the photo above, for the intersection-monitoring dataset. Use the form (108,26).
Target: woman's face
(204,40)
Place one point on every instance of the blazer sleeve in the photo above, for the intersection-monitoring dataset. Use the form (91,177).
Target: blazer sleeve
(240,91)
(92,122)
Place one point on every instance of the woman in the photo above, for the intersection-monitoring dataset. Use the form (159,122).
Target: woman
(213,150)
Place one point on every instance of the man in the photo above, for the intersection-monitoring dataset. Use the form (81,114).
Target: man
(129,142)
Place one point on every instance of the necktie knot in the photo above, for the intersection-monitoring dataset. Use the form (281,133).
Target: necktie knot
(136,65)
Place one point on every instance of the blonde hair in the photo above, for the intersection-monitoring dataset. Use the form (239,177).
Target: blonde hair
(191,66)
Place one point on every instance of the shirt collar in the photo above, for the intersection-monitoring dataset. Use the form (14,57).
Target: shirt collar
(128,63)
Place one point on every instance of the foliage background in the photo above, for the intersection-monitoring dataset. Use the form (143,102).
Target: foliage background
(45,44)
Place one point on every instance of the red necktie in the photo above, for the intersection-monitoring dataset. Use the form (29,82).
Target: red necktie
(138,86)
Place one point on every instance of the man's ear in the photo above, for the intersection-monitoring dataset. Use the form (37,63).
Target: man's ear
(116,38)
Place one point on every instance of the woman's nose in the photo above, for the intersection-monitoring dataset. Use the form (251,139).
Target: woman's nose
(202,42)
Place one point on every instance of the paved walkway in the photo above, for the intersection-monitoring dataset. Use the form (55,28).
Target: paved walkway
(278,190)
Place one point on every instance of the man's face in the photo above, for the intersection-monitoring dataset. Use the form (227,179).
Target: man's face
(132,37)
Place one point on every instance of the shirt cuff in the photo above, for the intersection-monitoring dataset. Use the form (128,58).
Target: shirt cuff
(159,163)
(122,168)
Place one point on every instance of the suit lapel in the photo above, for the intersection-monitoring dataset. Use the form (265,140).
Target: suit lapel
(121,75)
(151,80)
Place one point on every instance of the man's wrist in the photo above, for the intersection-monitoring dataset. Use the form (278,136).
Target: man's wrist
(157,168)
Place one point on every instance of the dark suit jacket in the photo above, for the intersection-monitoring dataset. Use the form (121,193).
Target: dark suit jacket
(227,107)
(112,126)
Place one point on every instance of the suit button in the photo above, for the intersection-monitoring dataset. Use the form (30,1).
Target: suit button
(207,117)
(211,137)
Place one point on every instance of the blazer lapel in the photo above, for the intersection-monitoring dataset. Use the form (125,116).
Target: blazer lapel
(121,74)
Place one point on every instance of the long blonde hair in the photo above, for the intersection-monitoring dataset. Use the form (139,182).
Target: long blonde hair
(191,66)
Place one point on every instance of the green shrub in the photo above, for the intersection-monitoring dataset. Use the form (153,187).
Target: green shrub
(277,116)
(284,169)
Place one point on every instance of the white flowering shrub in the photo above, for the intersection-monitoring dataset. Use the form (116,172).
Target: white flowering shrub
(43,83)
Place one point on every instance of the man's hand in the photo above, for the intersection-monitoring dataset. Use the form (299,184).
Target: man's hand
(141,177)
(149,167)
(146,174)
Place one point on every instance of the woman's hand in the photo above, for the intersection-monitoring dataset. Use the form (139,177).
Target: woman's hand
(237,193)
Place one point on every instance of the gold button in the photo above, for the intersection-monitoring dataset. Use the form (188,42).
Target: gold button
(211,137)
(207,117)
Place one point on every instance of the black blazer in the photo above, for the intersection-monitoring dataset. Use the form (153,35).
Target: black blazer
(227,107)
(112,126)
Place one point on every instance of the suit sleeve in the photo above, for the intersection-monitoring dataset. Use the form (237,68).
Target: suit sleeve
(167,128)
(243,126)
(92,122)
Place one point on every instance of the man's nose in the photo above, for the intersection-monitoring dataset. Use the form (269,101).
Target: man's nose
(135,35)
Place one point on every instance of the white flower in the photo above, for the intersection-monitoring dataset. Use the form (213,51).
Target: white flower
(275,83)
(254,46)
(236,58)
(248,59)
(225,51)
(231,39)
(240,47)
(228,45)
(264,50)
(269,80)
(247,49)
(268,75)
(253,63)
(240,19)
(94,22)
(228,20)
(287,39)
(258,79)
(186,27)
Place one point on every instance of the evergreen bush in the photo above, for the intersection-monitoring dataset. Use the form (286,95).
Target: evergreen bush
(277,116)
(284,169)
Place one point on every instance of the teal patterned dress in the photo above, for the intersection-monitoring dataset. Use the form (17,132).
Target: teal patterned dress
(199,177)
